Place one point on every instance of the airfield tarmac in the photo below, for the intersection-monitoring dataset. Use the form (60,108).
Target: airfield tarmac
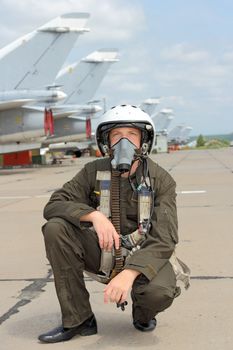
(201,318)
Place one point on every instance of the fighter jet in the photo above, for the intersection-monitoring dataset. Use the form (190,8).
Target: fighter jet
(162,119)
(41,54)
(30,124)
(184,137)
(149,105)
(179,134)
(80,82)
(173,134)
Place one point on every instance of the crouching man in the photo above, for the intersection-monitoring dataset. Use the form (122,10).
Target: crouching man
(117,220)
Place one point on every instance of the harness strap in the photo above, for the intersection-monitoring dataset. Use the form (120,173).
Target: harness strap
(115,218)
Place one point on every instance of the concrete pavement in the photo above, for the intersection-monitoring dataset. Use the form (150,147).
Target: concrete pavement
(201,318)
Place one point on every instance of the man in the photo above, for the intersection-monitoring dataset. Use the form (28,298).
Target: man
(136,228)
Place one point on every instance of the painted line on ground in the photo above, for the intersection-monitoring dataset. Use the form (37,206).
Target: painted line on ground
(26,197)
(191,192)
(15,197)
(43,196)
(49,195)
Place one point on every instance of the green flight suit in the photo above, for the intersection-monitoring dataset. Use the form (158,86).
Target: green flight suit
(72,246)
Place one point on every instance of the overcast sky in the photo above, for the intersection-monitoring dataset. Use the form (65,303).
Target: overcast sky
(177,49)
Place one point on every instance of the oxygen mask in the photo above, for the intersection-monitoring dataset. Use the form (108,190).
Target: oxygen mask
(123,155)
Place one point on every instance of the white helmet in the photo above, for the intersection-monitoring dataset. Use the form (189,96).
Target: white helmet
(125,116)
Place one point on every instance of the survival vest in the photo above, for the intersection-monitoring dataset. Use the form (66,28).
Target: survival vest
(131,242)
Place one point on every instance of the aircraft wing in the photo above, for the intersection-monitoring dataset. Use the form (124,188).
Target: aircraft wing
(63,114)
(19,147)
(72,111)
(80,118)
(21,98)
(41,53)
(60,111)
(13,104)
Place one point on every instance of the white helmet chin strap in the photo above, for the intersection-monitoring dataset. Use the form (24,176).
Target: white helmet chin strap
(144,148)
(105,149)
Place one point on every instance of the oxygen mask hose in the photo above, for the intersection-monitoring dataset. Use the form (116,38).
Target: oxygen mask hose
(123,155)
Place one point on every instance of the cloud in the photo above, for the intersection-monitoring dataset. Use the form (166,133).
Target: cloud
(211,73)
(131,86)
(228,57)
(114,20)
(174,100)
(183,53)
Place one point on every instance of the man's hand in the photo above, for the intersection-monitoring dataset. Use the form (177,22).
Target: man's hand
(104,229)
(117,289)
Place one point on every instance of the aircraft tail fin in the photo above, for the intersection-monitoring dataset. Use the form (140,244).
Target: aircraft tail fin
(81,80)
(41,53)
(102,55)
(149,105)
(67,22)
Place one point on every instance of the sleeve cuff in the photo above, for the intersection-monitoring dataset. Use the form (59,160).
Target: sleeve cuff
(147,270)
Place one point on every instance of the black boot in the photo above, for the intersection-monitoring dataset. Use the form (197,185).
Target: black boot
(145,327)
(58,334)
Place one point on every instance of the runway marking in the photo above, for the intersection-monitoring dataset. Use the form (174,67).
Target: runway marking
(192,192)
(211,277)
(49,195)
(26,197)
(15,197)
(87,278)
(43,196)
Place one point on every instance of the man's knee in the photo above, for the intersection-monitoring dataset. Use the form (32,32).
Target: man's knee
(161,297)
(153,295)
(149,302)
(53,230)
